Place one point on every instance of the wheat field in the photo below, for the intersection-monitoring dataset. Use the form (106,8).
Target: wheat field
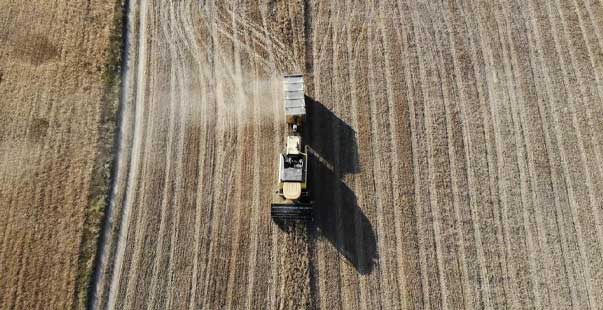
(455,157)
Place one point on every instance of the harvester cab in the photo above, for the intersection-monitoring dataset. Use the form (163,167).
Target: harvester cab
(292,202)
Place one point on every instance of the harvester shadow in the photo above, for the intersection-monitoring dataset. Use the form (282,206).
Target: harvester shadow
(338,218)
(327,130)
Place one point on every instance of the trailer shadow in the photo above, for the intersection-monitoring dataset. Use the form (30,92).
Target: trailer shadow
(327,130)
(338,217)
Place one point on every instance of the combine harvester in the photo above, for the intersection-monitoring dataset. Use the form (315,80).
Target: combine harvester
(292,202)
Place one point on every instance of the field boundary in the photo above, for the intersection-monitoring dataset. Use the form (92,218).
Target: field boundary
(97,210)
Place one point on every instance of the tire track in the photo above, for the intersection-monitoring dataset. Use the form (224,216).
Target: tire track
(143,237)
(428,220)
(435,121)
(499,165)
(514,69)
(254,221)
(561,172)
(512,265)
(355,182)
(367,200)
(255,218)
(277,134)
(396,188)
(575,191)
(554,182)
(449,73)
(416,127)
(238,270)
(342,148)
(594,252)
(514,198)
(186,192)
(262,293)
(135,159)
(391,63)
(331,267)
(169,186)
(383,170)
(526,97)
(462,71)
(476,179)
(207,161)
(455,271)
(329,273)
(227,141)
(587,94)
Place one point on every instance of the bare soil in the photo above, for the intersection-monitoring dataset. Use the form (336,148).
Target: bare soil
(456,156)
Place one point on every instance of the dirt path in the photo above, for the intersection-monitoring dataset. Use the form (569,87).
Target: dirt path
(456,156)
